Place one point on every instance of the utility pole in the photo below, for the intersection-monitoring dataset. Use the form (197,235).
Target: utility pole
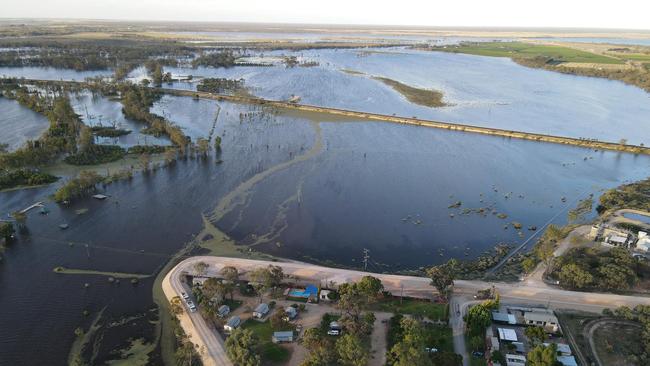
(366,257)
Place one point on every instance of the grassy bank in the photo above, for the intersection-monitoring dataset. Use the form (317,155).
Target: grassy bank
(528,50)
(425,97)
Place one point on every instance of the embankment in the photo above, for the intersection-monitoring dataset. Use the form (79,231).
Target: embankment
(587,143)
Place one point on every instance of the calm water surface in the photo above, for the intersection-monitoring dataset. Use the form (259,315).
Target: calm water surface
(19,124)
(326,189)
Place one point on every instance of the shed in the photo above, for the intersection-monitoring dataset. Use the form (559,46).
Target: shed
(232,324)
(494,343)
(515,360)
(498,316)
(280,337)
(324,294)
(223,311)
(567,360)
(261,310)
(562,348)
(506,334)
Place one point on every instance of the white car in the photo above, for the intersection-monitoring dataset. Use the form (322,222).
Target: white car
(185,296)
(431,350)
(333,332)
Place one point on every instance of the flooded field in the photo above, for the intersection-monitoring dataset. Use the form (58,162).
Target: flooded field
(312,187)
(19,124)
(96,110)
(484,91)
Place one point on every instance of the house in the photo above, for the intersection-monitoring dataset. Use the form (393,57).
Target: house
(281,337)
(515,360)
(567,360)
(617,240)
(501,317)
(324,295)
(643,244)
(291,312)
(261,310)
(232,324)
(508,335)
(223,311)
(544,319)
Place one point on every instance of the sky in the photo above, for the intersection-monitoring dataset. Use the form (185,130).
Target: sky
(618,14)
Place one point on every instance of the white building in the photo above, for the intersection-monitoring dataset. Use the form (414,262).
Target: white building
(261,310)
(232,324)
(544,319)
(515,360)
(643,244)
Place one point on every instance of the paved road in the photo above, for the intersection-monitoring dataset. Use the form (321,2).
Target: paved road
(526,292)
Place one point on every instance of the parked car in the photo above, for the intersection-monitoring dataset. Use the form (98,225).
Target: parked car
(185,296)
(478,354)
(431,350)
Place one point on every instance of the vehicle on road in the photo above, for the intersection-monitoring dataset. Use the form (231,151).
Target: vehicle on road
(185,296)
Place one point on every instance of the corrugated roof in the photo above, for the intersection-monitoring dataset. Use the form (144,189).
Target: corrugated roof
(507,334)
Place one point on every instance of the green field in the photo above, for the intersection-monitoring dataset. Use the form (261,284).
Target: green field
(528,50)
(270,352)
(422,308)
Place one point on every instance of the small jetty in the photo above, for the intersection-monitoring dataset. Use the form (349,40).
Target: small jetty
(37,204)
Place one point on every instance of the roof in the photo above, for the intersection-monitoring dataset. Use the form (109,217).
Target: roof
(262,308)
(290,309)
(567,360)
(617,239)
(510,356)
(233,322)
(100,196)
(561,347)
(506,334)
(224,309)
(335,325)
(503,317)
(285,334)
(540,316)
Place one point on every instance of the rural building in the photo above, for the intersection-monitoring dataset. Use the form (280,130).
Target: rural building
(503,317)
(567,360)
(508,335)
(544,319)
(281,337)
(324,294)
(643,244)
(261,310)
(291,312)
(562,348)
(617,240)
(232,324)
(223,311)
(515,360)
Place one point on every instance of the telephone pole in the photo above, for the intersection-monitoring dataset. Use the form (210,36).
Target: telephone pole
(366,257)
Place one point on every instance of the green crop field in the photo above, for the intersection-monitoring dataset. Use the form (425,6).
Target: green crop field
(529,50)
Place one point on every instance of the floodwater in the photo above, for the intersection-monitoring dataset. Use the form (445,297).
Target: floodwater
(637,217)
(316,188)
(51,73)
(96,110)
(485,91)
(19,124)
